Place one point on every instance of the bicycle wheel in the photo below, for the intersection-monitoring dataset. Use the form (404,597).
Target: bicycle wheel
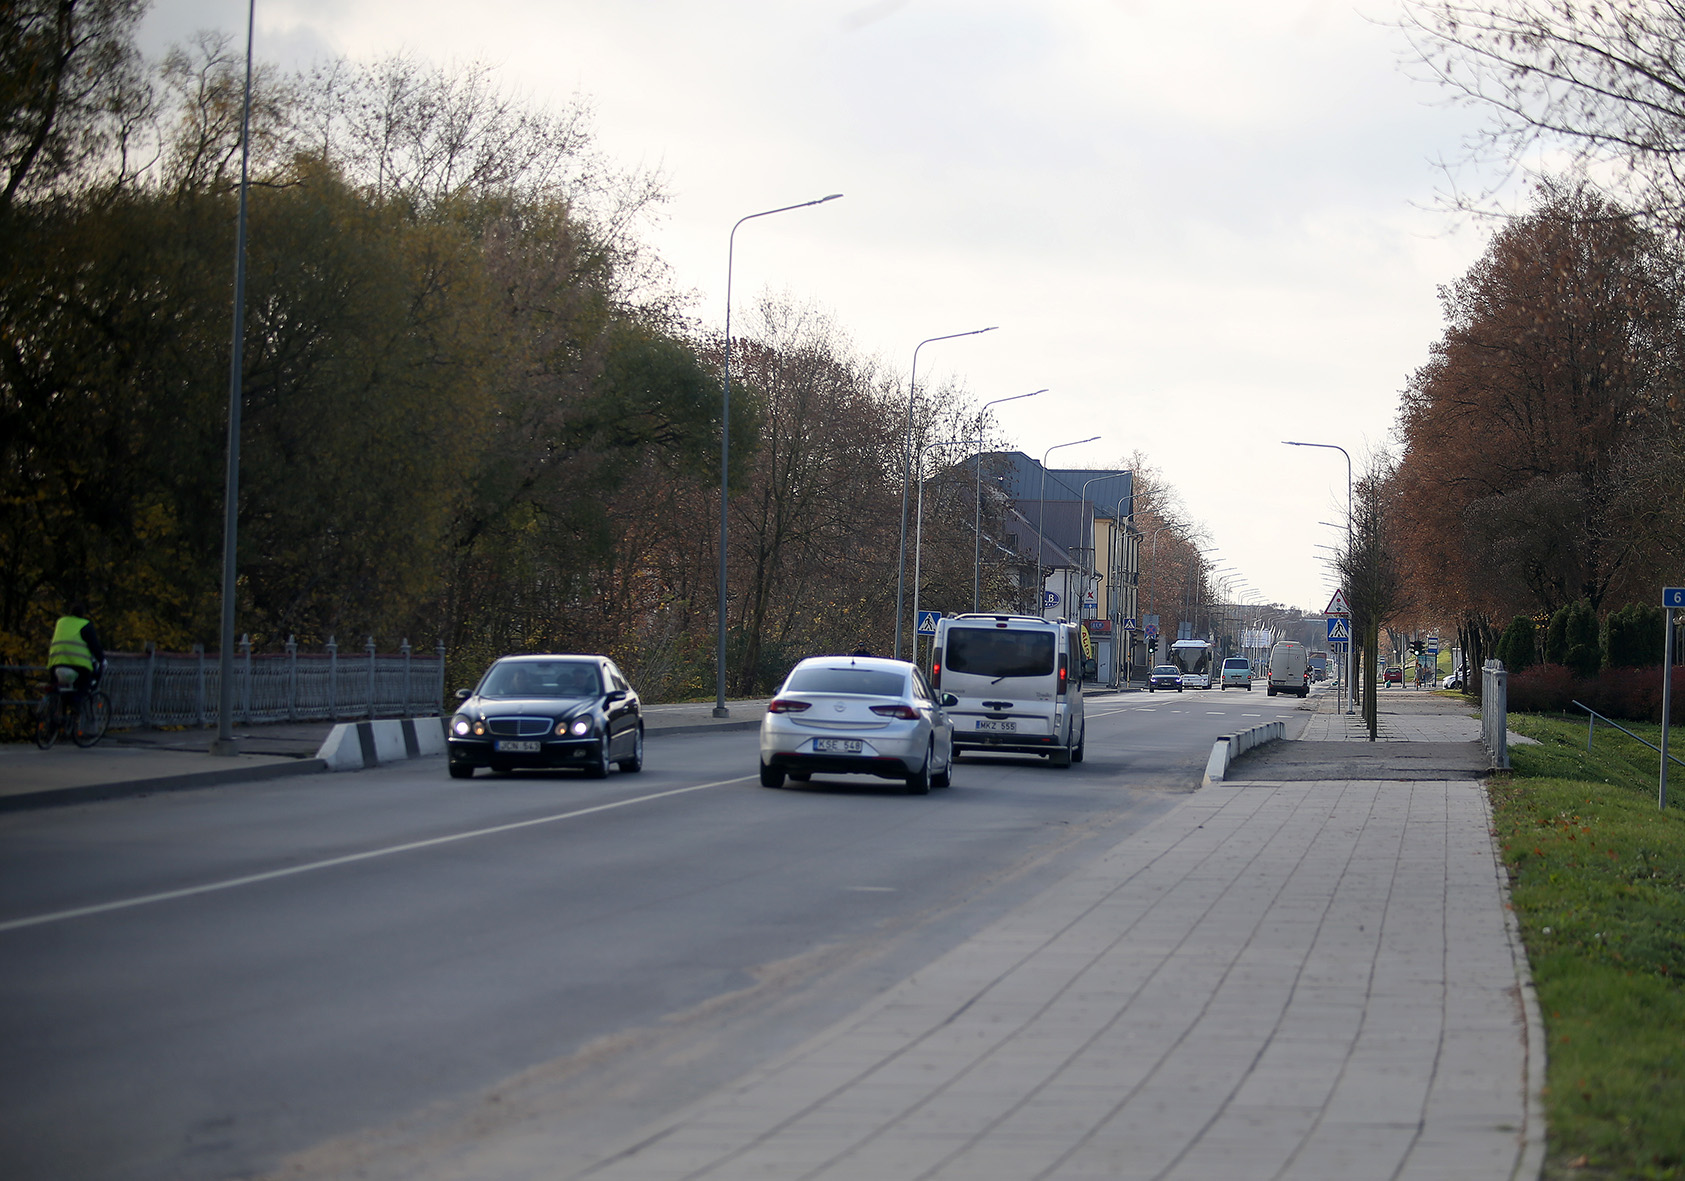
(92,719)
(46,721)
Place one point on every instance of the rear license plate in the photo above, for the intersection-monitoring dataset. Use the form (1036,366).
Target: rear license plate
(522,747)
(843,746)
(997,727)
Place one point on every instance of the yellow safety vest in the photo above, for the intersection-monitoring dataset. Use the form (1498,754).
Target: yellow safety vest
(68,647)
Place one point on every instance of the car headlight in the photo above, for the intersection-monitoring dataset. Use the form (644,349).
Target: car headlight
(580,728)
(460,726)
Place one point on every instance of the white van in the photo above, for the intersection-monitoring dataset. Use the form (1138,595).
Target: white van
(1019,684)
(1290,669)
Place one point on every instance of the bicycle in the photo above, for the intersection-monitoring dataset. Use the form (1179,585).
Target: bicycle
(59,712)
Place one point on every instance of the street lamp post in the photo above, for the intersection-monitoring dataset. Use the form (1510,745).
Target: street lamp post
(1351,645)
(918,531)
(1041,512)
(720,710)
(977,547)
(907,473)
(225,743)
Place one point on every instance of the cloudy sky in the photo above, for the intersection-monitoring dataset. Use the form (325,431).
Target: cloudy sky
(1205,226)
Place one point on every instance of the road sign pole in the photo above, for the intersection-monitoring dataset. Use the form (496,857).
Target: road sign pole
(1673,597)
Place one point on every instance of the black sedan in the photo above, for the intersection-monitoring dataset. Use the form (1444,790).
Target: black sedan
(1165,676)
(545,712)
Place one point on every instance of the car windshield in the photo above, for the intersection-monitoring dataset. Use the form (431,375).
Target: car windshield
(1235,662)
(867,682)
(1167,670)
(542,678)
(1000,652)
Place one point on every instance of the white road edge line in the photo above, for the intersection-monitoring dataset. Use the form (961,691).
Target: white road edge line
(58,916)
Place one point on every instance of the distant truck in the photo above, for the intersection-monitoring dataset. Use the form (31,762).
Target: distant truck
(1319,666)
(1290,669)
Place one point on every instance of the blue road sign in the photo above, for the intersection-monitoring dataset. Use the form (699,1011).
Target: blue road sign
(1129,625)
(1049,598)
(1339,629)
(1673,596)
(927,622)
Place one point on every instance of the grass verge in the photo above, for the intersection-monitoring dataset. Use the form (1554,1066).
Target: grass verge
(1598,882)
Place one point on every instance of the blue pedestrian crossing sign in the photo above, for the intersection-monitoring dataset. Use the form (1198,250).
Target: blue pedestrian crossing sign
(927,622)
(1339,630)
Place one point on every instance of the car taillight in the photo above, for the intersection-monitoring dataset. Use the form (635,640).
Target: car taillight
(1064,673)
(905,712)
(782,705)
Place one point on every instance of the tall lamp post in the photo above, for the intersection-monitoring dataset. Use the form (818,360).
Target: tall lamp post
(225,744)
(977,547)
(1041,513)
(918,531)
(720,710)
(1351,646)
(907,473)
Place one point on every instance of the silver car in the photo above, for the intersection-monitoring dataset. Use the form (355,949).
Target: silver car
(858,715)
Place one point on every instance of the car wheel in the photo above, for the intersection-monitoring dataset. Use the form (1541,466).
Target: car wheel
(636,762)
(1060,757)
(772,776)
(597,768)
(801,776)
(1082,746)
(1270,691)
(1150,689)
(918,782)
(946,777)
(1178,688)
(462,770)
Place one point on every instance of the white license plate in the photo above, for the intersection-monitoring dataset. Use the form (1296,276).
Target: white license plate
(521,747)
(997,727)
(843,746)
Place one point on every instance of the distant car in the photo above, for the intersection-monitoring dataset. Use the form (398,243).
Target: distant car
(1165,676)
(858,715)
(1453,680)
(1237,670)
(1393,676)
(531,712)
(1196,680)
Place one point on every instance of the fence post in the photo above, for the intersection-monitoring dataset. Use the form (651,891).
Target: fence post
(1494,712)
(333,679)
(404,650)
(246,689)
(440,697)
(146,684)
(369,648)
(292,678)
(199,699)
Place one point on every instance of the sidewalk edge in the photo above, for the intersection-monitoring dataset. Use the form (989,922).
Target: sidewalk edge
(126,789)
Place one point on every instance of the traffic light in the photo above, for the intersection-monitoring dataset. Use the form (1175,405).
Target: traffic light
(1152,646)
(1416,646)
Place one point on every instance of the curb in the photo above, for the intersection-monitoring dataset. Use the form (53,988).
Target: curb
(1227,748)
(125,789)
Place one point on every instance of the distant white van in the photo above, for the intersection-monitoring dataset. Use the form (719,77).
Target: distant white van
(1019,684)
(1290,668)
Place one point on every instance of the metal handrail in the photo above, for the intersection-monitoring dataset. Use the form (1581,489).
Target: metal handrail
(1591,730)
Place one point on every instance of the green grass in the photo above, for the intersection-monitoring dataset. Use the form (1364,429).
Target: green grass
(1598,883)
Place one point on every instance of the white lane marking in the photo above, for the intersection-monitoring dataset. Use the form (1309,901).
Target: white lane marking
(349,858)
(1146,709)
(1216,713)
(871,889)
(1251,715)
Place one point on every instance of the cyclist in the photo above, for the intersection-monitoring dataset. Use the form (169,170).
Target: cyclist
(76,656)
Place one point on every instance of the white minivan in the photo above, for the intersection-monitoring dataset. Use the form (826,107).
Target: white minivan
(1290,669)
(1019,684)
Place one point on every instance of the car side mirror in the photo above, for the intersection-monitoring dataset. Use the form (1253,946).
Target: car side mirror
(464,694)
(949,700)
(614,695)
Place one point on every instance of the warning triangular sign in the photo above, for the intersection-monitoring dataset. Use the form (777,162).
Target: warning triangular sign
(1338,605)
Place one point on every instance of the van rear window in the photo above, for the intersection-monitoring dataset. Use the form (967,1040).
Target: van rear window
(871,682)
(999,652)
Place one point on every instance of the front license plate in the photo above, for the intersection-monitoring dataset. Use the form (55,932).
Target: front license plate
(841,746)
(521,747)
(997,727)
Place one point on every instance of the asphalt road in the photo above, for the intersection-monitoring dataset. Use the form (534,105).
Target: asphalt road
(345,972)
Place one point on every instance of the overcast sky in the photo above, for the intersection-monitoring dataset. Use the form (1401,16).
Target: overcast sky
(1206,227)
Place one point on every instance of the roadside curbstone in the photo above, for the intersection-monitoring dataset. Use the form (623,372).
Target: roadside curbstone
(1231,746)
